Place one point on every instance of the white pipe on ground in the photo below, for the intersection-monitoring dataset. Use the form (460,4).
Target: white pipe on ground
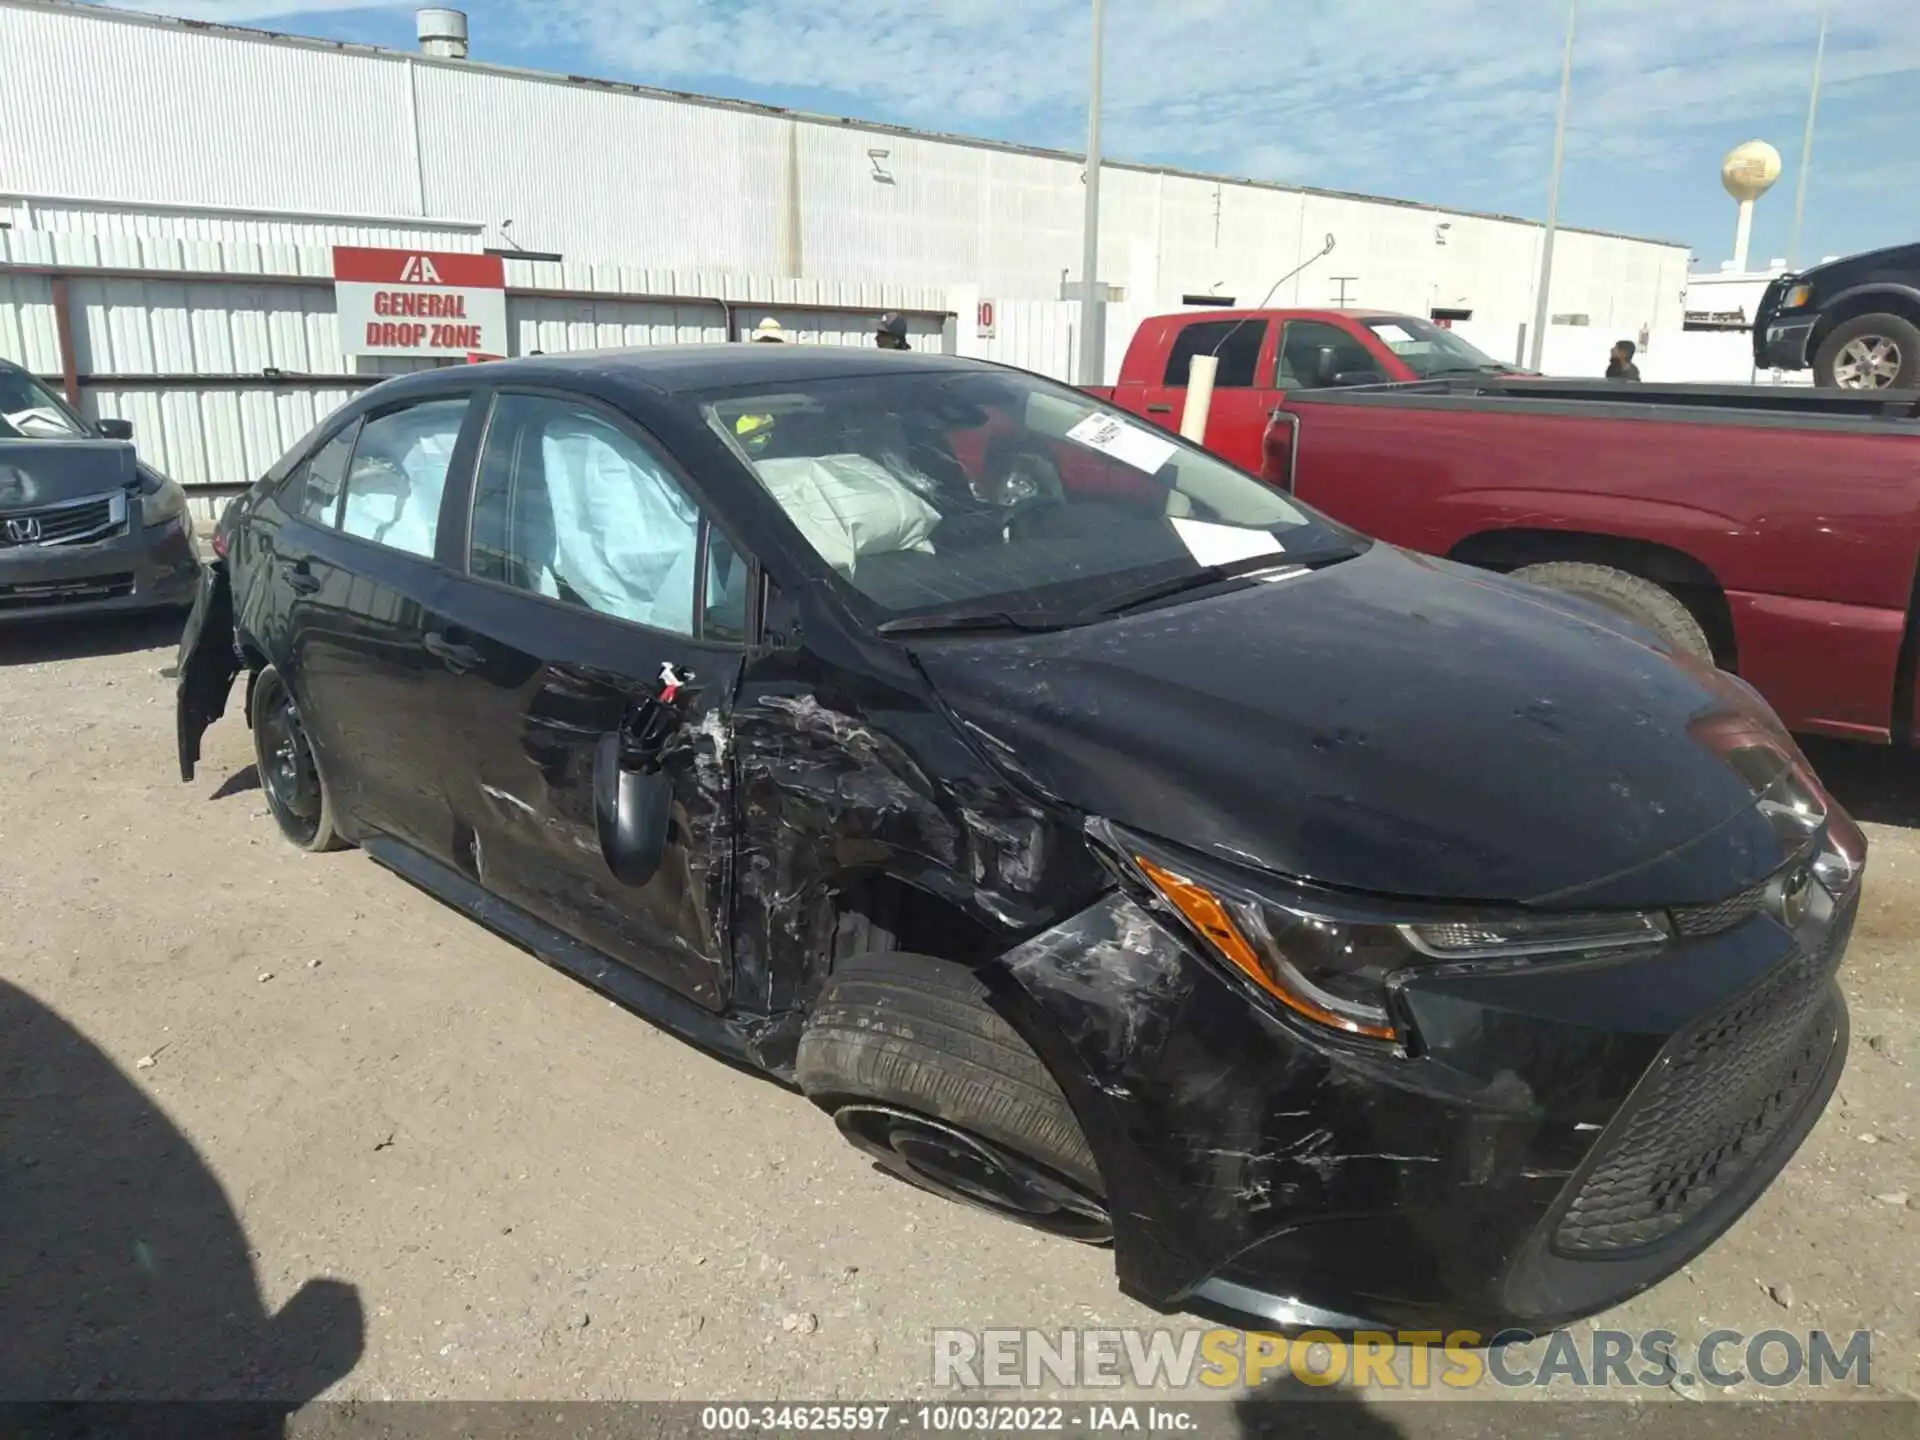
(1193,419)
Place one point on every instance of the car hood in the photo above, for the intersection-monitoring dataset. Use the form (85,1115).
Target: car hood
(45,472)
(1891,256)
(1398,725)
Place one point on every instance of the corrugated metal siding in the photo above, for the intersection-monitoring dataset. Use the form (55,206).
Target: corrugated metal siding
(603,173)
(145,112)
(597,174)
(213,437)
(27,329)
(78,217)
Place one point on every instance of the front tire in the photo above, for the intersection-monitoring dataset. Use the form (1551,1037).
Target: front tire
(923,1076)
(290,776)
(1626,595)
(1870,352)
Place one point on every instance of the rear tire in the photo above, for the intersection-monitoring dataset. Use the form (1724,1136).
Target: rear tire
(925,1077)
(1870,352)
(290,776)
(1628,596)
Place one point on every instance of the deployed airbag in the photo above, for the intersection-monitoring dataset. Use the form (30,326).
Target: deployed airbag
(849,506)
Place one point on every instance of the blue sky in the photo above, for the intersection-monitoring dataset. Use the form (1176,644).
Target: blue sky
(1448,101)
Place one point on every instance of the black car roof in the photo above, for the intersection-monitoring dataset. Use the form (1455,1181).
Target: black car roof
(675,368)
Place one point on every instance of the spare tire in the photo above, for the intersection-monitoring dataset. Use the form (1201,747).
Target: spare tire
(1626,595)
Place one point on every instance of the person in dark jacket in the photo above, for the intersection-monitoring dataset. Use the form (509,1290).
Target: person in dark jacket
(1620,364)
(891,333)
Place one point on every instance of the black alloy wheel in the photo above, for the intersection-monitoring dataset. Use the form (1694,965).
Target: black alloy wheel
(959,1166)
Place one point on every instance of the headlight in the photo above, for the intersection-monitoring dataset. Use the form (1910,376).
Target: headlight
(1796,297)
(1334,962)
(159,506)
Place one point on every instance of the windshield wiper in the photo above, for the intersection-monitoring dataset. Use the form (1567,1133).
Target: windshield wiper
(1029,620)
(1193,580)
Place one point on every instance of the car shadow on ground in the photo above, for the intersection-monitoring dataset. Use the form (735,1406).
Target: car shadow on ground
(1289,1409)
(1877,783)
(59,638)
(125,1275)
(238,783)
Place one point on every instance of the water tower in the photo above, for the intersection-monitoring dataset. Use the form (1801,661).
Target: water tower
(1748,172)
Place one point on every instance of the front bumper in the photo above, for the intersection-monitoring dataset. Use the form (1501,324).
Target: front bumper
(136,569)
(1782,344)
(1564,1136)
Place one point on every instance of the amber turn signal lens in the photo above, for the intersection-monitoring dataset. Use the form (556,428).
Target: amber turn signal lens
(1206,914)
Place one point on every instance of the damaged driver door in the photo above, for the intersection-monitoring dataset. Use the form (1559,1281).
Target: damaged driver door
(590,657)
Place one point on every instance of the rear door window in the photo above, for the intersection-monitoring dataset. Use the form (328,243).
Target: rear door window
(1236,343)
(313,491)
(1300,346)
(398,473)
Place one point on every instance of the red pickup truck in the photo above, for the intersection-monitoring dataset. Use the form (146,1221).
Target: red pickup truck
(1775,529)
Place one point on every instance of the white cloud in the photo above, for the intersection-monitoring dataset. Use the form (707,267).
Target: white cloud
(1346,92)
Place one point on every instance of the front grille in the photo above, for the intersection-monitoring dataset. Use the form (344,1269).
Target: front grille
(1714,1103)
(86,522)
(1697,921)
(66,592)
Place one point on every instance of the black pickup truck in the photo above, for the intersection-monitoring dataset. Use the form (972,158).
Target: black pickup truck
(1855,321)
(85,526)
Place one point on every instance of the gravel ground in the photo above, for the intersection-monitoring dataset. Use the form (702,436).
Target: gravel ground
(232,1070)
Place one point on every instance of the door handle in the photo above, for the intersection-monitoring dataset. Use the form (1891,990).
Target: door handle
(301,579)
(456,657)
(1159,409)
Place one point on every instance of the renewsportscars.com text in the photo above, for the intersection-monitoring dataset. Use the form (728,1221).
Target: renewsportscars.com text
(1408,1359)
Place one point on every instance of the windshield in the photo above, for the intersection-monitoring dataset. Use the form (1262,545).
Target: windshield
(1429,349)
(29,411)
(933,490)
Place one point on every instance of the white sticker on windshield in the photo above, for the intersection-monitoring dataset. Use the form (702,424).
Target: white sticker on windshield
(1128,444)
(1393,335)
(1211,544)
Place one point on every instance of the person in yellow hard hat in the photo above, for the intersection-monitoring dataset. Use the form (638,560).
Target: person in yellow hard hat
(753,431)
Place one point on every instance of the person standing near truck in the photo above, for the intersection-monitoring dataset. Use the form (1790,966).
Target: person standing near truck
(1620,364)
(891,332)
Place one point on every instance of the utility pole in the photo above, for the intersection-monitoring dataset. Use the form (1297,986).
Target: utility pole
(1093,305)
(1806,144)
(1543,303)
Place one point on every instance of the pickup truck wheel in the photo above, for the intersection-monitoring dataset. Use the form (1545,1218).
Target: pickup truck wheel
(1870,352)
(1628,596)
(923,1076)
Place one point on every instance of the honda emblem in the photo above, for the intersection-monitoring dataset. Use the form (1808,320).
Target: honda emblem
(24,530)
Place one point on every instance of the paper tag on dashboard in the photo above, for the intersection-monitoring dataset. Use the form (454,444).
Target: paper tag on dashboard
(1128,444)
(1212,544)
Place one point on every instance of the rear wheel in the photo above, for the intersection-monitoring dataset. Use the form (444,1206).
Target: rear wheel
(924,1077)
(1628,596)
(1870,352)
(289,775)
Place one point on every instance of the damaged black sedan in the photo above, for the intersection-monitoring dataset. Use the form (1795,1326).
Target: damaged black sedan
(1096,833)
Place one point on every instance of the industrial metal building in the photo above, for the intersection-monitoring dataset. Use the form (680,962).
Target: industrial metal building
(134,110)
(147,163)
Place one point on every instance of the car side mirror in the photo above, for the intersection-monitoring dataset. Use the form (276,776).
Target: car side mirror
(1326,366)
(115,429)
(632,809)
